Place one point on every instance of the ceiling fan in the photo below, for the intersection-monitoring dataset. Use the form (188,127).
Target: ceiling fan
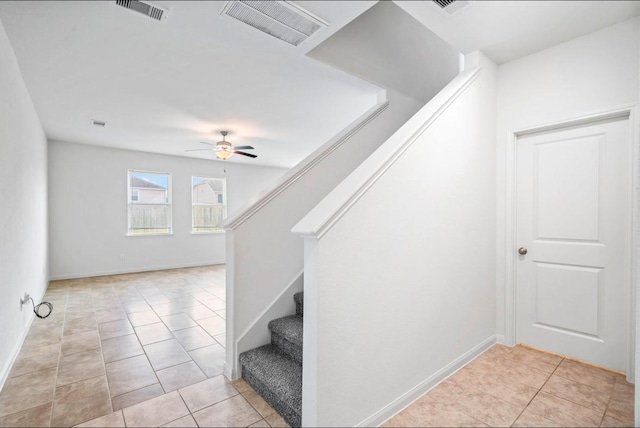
(224,149)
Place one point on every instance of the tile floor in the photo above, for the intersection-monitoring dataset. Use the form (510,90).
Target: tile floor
(147,350)
(523,387)
(141,349)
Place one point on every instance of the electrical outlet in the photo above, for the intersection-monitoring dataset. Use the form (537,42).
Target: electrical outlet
(122,257)
(25,299)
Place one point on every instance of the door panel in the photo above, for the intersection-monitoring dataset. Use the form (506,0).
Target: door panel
(573,217)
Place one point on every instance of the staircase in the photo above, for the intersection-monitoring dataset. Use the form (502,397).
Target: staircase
(275,370)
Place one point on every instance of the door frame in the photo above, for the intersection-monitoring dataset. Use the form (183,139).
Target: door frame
(510,244)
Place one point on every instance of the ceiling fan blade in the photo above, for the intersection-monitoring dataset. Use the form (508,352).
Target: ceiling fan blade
(197,150)
(245,154)
(204,142)
(243,148)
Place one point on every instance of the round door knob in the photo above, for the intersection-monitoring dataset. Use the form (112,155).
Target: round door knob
(522,251)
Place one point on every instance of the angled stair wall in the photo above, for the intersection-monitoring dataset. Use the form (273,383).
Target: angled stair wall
(400,261)
(264,259)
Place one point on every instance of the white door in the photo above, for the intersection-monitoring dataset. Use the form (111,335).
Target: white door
(573,222)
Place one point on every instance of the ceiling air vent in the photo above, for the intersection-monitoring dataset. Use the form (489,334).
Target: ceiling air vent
(144,8)
(281,19)
(451,6)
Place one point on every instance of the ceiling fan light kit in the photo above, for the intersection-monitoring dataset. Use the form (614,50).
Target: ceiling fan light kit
(224,149)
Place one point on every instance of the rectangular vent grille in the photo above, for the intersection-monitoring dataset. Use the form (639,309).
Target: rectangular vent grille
(282,20)
(444,3)
(451,6)
(143,8)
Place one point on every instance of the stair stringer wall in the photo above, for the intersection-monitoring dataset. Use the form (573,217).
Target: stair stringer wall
(263,257)
(400,262)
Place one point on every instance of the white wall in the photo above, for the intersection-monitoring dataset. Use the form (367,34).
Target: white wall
(88,210)
(23,210)
(592,74)
(399,263)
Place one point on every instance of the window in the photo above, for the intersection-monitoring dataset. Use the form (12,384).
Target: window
(149,198)
(209,208)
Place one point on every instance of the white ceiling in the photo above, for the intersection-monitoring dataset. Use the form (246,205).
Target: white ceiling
(507,30)
(164,87)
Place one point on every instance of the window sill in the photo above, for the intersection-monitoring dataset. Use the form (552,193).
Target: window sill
(138,235)
(218,232)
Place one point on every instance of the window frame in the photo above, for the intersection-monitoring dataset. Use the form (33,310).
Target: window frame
(130,202)
(194,204)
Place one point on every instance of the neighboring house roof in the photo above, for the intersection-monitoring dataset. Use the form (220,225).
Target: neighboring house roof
(144,184)
(215,185)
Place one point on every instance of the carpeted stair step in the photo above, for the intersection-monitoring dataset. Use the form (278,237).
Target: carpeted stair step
(286,334)
(299,299)
(277,378)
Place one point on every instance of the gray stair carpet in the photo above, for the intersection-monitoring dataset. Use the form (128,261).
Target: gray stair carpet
(275,370)
(299,299)
(286,334)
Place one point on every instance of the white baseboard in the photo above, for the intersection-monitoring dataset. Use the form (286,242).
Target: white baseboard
(4,374)
(133,270)
(412,395)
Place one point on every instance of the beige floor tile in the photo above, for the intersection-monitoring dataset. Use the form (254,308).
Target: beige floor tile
(210,359)
(241,385)
(80,402)
(213,325)
(214,304)
(583,373)
(221,339)
(197,312)
(153,333)
(579,393)
(233,412)
(80,342)
(564,412)
(193,338)
(114,419)
(117,328)
(36,359)
(499,386)
(258,403)
(80,324)
(83,365)
(428,413)
(178,321)
(157,299)
(129,375)
(42,335)
(119,348)
(520,373)
(536,359)
(621,405)
(166,354)
(108,315)
(138,396)
(169,308)
(39,416)
(185,421)
(135,306)
(27,391)
(276,421)
(530,419)
(155,412)
(180,376)
(138,319)
(610,421)
(260,424)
